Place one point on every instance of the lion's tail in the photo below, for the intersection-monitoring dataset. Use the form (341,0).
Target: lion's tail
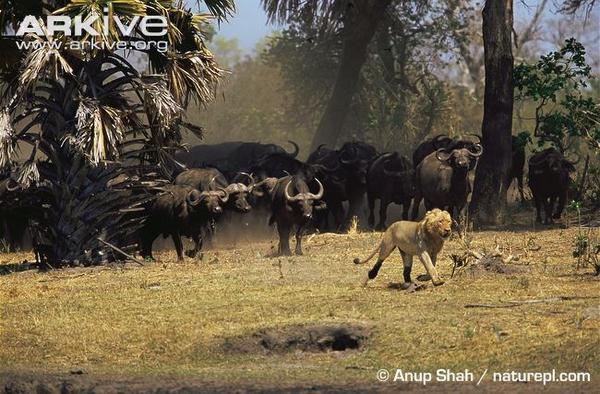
(359,261)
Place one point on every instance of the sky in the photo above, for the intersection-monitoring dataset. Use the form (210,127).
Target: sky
(249,25)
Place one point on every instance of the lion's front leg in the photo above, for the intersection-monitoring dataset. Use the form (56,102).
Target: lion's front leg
(407,261)
(427,277)
(429,266)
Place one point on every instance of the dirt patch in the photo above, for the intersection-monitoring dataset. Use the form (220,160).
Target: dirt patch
(492,265)
(313,338)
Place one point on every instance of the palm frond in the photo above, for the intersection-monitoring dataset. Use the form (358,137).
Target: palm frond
(125,9)
(7,132)
(44,58)
(192,75)
(28,174)
(327,10)
(221,9)
(99,131)
(160,104)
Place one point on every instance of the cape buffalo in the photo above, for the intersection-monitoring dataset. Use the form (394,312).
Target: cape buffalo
(549,180)
(230,157)
(346,180)
(13,216)
(390,179)
(441,141)
(441,179)
(292,207)
(318,154)
(211,179)
(181,210)
(279,165)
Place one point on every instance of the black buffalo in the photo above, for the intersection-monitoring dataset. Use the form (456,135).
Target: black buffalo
(211,179)
(292,206)
(278,165)
(441,179)
(345,180)
(318,154)
(391,180)
(441,141)
(231,157)
(14,215)
(549,180)
(180,211)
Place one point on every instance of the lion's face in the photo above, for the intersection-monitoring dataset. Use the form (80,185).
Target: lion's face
(438,222)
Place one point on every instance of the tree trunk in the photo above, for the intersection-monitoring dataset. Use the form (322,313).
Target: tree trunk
(361,20)
(488,204)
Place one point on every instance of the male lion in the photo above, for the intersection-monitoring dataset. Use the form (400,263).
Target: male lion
(424,239)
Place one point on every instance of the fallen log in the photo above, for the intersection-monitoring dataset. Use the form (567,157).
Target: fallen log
(513,303)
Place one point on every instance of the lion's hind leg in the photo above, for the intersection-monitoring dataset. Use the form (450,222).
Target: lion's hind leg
(407,261)
(386,248)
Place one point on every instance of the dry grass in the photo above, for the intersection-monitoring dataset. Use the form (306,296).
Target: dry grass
(169,318)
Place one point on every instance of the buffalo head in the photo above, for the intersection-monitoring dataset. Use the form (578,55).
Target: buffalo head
(553,161)
(304,199)
(239,192)
(212,199)
(356,157)
(463,158)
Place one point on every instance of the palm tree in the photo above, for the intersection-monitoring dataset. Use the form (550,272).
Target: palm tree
(100,133)
(358,20)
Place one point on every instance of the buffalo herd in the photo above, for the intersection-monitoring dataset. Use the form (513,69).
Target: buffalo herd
(235,180)
(327,190)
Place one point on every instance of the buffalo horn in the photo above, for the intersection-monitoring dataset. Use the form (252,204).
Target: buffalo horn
(442,151)
(287,192)
(294,154)
(252,181)
(319,194)
(435,140)
(194,198)
(478,152)
(224,195)
(210,184)
(476,136)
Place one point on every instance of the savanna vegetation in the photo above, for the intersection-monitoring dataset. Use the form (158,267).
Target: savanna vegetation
(199,325)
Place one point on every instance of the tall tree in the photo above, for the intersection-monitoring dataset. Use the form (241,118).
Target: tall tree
(360,19)
(491,179)
(360,23)
(399,97)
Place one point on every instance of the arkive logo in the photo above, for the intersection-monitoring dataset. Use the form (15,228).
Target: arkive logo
(148,26)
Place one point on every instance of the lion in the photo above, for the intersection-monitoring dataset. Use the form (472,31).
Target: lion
(424,239)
